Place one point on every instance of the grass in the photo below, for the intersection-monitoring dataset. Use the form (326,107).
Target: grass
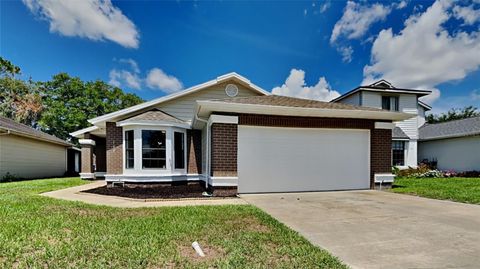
(39,232)
(465,190)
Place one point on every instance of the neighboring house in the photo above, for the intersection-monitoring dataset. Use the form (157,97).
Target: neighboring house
(29,153)
(384,95)
(455,145)
(229,133)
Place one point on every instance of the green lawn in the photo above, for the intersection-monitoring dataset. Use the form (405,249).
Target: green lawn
(40,232)
(465,190)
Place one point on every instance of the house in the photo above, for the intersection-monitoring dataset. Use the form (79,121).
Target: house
(383,95)
(455,145)
(230,133)
(28,153)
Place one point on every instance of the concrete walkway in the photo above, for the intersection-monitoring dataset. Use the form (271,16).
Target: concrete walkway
(75,194)
(373,229)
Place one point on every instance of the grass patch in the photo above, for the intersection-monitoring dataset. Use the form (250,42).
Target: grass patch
(465,190)
(38,232)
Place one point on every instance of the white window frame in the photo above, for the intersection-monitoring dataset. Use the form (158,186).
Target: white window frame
(184,132)
(169,151)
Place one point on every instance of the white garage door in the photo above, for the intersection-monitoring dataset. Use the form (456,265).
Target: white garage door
(274,159)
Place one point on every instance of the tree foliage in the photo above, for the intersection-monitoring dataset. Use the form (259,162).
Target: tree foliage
(454,114)
(58,106)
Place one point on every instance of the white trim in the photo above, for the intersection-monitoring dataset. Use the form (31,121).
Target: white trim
(150,123)
(206,107)
(193,89)
(384,177)
(153,178)
(223,119)
(224,181)
(87,175)
(100,174)
(384,90)
(384,125)
(86,142)
(84,130)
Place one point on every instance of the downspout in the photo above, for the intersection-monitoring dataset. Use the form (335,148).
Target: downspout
(207,165)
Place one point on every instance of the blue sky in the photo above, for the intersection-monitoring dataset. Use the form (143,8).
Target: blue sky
(310,49)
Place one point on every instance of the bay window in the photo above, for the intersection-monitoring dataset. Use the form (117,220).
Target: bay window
(154,150)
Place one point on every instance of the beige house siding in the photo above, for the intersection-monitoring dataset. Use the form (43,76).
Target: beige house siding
(29,158)
(183,107)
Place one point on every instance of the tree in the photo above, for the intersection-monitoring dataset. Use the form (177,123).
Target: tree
(454,114)
(69,102)
(19,100)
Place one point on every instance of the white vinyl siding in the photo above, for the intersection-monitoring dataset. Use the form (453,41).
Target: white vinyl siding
(29,158)
(183,107)
(421,115)
(459,154)
(353,99)
(372,99)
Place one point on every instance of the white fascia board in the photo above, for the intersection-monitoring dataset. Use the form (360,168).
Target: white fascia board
(384,125)
(84,130)
(163,99)
(86,142)
(207,107)
(150,123)
(223,119)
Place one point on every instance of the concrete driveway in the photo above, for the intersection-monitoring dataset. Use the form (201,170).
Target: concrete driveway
(373,229)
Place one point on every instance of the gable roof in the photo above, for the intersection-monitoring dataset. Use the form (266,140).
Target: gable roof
(450,129)
(101,119)
(153,116)
(399,134)
(11,126)
(289,106)
(382,86)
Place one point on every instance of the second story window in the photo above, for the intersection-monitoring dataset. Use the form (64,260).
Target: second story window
(390,103)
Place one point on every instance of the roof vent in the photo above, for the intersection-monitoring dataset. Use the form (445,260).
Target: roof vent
(231,90)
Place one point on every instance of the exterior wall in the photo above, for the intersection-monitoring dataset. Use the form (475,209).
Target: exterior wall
(380,153)
(183,107)
(87,159)
(194,152)
(459,154)
(380,139)
(100,152)
(30,158)
(114,141)
(224,150)
(372,99)
(354,99)
(421,115)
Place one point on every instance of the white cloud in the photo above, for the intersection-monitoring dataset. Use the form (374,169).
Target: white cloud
(157,79)
(325,6)
(346,52)
(129,77)
(357,19)
(295,86)
(469,14)
(92,19)
(401,4)
(458,101)
(424,54)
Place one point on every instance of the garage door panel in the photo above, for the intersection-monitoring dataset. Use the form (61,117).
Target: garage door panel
(293,159)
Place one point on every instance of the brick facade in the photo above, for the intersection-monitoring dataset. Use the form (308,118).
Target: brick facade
(194,151)
(114,149)
(224,150)
(380,153)
(87,159)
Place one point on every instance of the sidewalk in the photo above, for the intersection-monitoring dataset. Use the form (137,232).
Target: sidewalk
(75,194)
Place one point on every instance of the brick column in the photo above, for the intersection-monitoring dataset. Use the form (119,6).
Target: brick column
(224,150)
(87,169)
(194,151)
(114,143)
(380,153)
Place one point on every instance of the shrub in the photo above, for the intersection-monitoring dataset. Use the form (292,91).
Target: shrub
(469,174)
(10,178)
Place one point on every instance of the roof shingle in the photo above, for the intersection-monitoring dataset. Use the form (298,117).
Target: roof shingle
(8,124)
(457,128)
(155,115)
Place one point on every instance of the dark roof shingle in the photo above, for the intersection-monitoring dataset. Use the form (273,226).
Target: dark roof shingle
(155,115)
(398,133)
(457,128)
(277,100)
(8,124)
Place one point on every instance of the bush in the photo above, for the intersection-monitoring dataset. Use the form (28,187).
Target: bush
(469,174)
(412,172)
(10,178)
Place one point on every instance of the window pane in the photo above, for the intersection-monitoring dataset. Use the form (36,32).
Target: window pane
(386,102)
(398,152)
(179,147)
(129,155)
(153,149)
(394,102)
